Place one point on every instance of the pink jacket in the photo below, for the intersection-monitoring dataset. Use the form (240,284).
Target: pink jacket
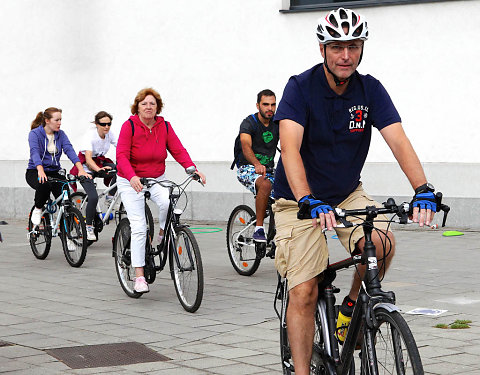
(144,154)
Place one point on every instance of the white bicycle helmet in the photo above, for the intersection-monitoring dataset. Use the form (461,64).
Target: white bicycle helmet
(332,27)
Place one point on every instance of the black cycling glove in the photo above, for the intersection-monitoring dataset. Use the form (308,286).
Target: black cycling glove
(310,207)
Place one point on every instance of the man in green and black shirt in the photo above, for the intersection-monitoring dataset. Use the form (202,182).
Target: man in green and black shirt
(259,137)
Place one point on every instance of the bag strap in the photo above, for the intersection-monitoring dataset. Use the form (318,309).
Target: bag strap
(133,127)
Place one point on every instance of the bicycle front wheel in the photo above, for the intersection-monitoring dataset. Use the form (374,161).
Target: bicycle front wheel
(186,269)
(123,261)
(394,347)
(73,236)
(40,237)
(241,248)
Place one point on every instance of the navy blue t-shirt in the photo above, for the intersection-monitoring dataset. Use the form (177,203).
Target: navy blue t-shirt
(337,130)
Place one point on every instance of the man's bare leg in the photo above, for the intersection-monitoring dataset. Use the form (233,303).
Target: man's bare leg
(263,187)
(301,323)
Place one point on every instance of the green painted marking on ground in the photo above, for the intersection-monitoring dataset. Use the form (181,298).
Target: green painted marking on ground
(197,230)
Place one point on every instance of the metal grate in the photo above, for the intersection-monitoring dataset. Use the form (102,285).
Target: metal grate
(88,356)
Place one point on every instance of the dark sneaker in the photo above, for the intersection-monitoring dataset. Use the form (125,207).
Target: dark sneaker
(259,235)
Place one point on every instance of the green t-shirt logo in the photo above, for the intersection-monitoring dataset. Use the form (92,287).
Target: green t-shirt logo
(267,137)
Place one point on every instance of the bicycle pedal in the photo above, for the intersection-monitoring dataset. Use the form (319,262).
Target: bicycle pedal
(271,254)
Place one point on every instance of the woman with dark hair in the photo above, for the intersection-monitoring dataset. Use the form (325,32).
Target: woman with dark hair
(96,144)
(47,142)
(141,152)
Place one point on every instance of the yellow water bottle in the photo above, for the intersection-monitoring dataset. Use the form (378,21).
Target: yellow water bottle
(344,318)
(342,326)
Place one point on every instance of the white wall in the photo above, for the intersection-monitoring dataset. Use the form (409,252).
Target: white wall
(208,59)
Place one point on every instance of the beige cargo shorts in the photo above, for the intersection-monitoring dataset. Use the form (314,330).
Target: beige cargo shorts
(302,251)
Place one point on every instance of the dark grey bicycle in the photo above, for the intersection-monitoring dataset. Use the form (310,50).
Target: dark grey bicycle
(377,327)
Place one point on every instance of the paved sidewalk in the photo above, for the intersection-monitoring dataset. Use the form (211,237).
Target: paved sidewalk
(48,304)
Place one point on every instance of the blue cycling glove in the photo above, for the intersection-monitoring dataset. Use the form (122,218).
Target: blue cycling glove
(311,207)
(425,200)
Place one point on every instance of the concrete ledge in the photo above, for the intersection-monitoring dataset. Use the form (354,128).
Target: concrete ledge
(216,206)
(222,193)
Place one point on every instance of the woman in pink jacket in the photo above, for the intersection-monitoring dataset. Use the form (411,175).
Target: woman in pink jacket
(141,152)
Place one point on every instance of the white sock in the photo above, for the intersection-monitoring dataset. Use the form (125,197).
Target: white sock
(258,227)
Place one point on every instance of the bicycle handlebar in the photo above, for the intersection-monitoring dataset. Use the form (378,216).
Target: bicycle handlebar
(69,178)
(103,173)
(403,211)
(149,182)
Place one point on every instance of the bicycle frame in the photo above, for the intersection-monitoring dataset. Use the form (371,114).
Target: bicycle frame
(172,221)
(59,204)
(106,217)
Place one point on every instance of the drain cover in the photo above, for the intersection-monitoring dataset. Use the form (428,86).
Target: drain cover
(88,356)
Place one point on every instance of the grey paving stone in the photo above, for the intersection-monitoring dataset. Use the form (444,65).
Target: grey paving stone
(232,353)
(236,329)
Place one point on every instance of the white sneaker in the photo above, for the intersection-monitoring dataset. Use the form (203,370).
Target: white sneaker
(91,233)
(141,285)
(36,216)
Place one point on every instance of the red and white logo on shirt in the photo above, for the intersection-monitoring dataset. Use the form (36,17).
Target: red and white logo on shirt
(358,114)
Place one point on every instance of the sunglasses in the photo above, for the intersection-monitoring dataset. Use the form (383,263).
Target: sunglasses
(103,124)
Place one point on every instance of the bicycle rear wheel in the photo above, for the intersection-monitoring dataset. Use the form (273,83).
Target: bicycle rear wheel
(241,248)
(73,236)
(40,237)
(186,269)
(285,352)
(394,346)
(123,262)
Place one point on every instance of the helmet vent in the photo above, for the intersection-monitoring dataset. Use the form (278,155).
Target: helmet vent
(343,14)
(332,32)
(333,20)
(346,27)
(358,31)
(354,19)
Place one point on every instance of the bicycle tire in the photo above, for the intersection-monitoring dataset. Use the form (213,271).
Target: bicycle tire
(41,240)
(122,256)
(395,348)
(241,248)
(73,234)
(285,352)
(188,274)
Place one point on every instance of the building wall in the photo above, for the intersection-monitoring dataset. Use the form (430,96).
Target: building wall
(208,60)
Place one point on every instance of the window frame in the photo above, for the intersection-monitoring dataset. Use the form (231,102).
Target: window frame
(289,8)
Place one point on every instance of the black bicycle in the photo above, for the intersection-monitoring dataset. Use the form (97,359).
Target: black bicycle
(377,327)
(60,218)
(179,246)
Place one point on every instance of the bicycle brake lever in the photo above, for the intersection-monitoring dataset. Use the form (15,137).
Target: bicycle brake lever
(344,222)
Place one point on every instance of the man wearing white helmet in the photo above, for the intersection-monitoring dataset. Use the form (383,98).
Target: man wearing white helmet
(326,117)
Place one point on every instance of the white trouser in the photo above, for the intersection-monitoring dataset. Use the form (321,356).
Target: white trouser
(135,206)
